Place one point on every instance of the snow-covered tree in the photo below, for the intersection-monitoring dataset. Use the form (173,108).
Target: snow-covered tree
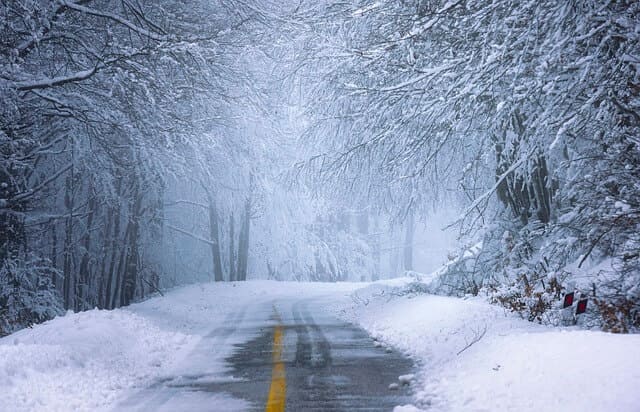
(514,106)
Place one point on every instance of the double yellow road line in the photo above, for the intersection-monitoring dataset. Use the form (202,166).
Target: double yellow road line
(277,399)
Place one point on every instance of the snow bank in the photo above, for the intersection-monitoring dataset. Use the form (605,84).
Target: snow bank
(82,361)
(554,370)
(476,357)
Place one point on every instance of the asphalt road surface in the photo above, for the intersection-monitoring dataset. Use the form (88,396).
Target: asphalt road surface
(299,359)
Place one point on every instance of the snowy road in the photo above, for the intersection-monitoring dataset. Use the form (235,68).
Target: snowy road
(298,358)
(265,346)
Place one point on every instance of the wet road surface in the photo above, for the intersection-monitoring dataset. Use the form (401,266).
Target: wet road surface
(295,358)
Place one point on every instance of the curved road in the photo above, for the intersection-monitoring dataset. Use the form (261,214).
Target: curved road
(293,357)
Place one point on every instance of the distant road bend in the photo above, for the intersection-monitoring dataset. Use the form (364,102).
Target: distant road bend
(300,359)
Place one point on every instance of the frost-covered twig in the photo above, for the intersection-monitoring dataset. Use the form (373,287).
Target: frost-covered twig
(152,286)
(476,338)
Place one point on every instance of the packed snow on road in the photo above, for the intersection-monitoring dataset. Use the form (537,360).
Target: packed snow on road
(468,355)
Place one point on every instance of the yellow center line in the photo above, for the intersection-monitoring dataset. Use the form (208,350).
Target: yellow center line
(278,391)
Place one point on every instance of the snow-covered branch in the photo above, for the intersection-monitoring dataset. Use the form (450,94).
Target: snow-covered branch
(191,235)
(111,16)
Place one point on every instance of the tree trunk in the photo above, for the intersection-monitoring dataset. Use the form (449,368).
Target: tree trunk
(103,287)
(130,275)
(112,264)
(232,250)
(408,242)
(214,234)
(243,242)
(68,281)
(376,249)
(116,299)
(54,251)
(82,288)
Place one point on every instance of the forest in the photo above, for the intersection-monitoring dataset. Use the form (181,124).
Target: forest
(146,144)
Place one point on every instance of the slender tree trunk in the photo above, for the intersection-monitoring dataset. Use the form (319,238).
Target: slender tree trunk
(104,287)
(243,242)
(130,275)
(159,227)
(376,249)
(408,242)
(542,190)
(116,299)
(83,286)
(215,239)
(54,251)
(68,281)
(232,250)
(113,247)
(395,263)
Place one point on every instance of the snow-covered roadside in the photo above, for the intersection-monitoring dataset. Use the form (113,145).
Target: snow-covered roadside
(87,361)
(90,361)
(513,365)
(83,361)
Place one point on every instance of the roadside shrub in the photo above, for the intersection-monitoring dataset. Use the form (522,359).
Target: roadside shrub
(27,295)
